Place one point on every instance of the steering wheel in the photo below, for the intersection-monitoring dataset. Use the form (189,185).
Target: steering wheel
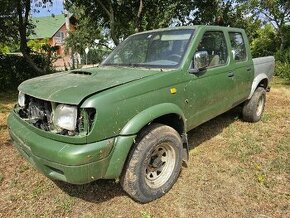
(174,57)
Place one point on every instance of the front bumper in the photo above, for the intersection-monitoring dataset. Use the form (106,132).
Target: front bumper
(72,163)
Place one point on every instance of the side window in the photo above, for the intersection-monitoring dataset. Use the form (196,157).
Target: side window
(238,47)
(215,44)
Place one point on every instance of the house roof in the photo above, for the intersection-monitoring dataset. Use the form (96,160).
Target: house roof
(46,27)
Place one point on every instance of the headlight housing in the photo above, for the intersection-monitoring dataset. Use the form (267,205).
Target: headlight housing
(65,117)
(21,99)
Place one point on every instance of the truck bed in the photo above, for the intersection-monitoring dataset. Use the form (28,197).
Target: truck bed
(264,65)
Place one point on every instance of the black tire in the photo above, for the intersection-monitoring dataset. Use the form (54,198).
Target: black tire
(154,164)
(253,108)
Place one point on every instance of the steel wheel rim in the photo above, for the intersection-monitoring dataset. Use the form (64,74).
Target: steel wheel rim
(260,106)
(161,165)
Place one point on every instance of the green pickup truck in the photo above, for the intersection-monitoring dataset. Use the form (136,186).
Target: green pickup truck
(127,119)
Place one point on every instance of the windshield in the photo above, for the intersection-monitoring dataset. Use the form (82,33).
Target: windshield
(164,49)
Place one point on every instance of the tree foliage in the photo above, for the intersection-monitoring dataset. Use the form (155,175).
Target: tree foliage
(275,12)
(8,27)
(265,42)
(86,34)
(109,21)
(15,25)
(122,18)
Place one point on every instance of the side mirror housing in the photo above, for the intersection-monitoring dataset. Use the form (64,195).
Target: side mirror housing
(200,61)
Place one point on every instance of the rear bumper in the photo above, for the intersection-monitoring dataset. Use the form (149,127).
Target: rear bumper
(76,164)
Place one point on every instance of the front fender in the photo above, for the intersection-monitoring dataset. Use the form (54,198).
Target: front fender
(150,114)
(126,138)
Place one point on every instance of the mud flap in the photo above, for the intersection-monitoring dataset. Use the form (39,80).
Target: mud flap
(185,150)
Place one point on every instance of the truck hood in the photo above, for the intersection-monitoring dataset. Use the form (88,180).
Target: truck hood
(73,86)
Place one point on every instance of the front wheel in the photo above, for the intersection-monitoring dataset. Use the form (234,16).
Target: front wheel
(254,107)
(154,164)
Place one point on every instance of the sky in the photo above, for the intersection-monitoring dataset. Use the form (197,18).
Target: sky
(56,8)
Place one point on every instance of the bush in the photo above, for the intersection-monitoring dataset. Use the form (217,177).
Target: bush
(14,69)
(282,70)
(283,64)
(283,56)
(266,42)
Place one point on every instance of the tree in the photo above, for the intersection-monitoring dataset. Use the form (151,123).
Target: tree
(87,34)
(276,12)
(124,17)
(8,29)
(15,24)
(264,43)
(23,8)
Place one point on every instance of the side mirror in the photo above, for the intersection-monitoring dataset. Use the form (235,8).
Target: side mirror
(200,61)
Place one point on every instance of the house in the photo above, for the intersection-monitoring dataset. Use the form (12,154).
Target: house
(53,28)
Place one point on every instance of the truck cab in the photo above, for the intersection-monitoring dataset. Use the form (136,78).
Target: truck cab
(127,119)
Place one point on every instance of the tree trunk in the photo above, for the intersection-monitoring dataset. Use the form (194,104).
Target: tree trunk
(110,13)
(113,26)
(22,26)
(283,41)
(113,31)
(139,17)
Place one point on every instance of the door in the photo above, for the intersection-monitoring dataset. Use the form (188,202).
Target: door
(244,69)
(209,93)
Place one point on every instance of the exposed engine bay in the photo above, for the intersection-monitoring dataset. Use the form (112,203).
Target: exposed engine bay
(42,114)
(37,112)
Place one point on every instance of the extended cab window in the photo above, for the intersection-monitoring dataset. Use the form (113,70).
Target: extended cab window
(215,44)
(238,47)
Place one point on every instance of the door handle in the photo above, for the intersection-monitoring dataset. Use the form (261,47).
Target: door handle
(249,69)
(231,74)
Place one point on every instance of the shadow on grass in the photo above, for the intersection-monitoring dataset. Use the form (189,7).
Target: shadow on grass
(105,190)
(95,192)
(3,127)
(212,128)
(8,96)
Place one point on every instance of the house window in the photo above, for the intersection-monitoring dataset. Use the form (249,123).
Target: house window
(59,37)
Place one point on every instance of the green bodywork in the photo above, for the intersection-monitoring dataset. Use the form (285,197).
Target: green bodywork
(127,99)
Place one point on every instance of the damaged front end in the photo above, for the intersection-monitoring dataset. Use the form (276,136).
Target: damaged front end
(61,119)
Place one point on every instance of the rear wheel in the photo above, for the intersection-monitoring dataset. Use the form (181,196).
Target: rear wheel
(254,107)
(154,164)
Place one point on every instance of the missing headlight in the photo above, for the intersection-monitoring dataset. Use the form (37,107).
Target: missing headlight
(86,119)
(57,118)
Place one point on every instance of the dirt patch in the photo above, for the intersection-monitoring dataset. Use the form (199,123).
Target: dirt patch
(235,169)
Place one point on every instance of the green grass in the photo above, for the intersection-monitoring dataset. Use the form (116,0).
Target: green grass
(145,214)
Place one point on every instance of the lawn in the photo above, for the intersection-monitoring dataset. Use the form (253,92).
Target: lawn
(236,169)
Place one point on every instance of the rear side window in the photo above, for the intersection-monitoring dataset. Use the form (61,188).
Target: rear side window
(215,44)
(238,47)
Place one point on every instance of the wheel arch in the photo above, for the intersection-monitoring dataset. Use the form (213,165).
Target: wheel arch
(261,80)
(166,113)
